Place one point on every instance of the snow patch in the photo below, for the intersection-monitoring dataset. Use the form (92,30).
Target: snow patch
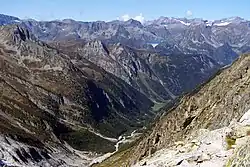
(211,65)
(208,41)
(186,24)
(122,103)
(222,24)
(107,96)
(154,45)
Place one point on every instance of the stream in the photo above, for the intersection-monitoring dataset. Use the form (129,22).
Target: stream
(120,140)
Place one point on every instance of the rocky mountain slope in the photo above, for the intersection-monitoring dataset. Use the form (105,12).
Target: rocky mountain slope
(48,99)
(213,106)
(227,146)
(209,111)
(160,77)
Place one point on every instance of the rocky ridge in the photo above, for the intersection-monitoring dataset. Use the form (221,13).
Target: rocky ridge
(227,146)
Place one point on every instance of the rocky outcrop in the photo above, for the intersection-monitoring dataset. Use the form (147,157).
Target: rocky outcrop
(227,146)
(15,153)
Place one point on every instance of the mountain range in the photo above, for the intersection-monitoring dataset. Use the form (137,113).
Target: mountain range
(73,92)
(170,35)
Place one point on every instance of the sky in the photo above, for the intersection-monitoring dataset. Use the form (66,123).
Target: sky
(107,10)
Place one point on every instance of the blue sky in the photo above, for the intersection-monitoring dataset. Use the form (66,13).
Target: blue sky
(90,10)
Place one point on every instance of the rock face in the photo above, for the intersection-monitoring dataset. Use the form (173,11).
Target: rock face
(212,106)
(53,103)
(14,153)
(227,146)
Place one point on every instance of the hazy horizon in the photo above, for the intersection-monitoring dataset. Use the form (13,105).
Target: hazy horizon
(123,10)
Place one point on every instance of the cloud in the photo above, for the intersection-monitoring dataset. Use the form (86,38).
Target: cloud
(125,17)
(139,17)
(189,13)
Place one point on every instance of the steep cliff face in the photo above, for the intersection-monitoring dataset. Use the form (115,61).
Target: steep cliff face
(48,98)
